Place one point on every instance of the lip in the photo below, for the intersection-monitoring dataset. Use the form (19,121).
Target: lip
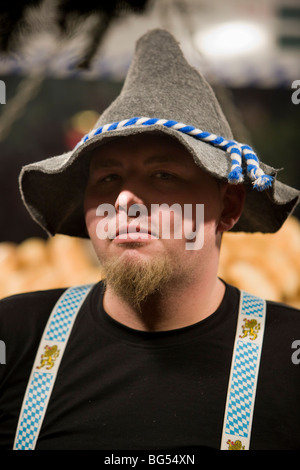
(130,233)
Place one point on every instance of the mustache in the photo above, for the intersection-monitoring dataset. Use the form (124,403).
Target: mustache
(132,220)
(118,226)
(133,227)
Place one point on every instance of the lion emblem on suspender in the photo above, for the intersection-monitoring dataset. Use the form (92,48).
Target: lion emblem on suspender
(235,445)
(250,328)
(49,357)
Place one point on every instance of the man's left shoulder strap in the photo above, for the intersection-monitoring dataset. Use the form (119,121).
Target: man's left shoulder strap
(244,373)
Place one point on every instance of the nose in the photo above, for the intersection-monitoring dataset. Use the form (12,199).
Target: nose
(127,199)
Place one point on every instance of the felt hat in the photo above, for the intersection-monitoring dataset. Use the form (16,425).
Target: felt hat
(162,93)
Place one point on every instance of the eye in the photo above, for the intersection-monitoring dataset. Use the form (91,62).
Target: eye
(164,175)
(109,178)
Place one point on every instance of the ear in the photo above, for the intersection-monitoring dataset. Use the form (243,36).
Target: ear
(233,199)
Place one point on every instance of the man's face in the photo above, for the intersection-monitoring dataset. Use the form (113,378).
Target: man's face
(140,172)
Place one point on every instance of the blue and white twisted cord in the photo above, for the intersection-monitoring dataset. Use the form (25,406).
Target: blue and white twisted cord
(238,152)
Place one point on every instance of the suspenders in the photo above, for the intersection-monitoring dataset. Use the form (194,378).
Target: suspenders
(244,373)
(241,387)
(46,364)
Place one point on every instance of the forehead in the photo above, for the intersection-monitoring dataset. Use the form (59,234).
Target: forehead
(147,148)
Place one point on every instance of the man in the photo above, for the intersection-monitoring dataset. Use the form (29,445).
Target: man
(163,355)
(145,170)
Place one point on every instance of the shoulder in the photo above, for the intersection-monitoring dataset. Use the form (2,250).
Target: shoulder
(282,330)
(29,297)
(26,314)
(282,320)
(280,312)
(29,310)
(33,302)
(23,318)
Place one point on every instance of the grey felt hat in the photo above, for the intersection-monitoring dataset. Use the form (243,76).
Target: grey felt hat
(161,93)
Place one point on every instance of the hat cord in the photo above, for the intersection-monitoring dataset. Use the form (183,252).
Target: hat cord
(238,152)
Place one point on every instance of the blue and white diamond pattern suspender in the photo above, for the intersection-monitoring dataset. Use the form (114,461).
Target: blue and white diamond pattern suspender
(244,373)
(46,364)
(242,383)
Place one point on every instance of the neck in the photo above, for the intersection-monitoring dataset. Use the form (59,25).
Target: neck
(175,307)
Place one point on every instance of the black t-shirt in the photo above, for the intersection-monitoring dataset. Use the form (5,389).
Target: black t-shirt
(123,389)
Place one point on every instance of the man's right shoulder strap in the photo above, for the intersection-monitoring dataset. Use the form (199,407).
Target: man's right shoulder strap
(46,364)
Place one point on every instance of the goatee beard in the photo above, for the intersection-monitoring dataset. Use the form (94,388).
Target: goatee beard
(135,281)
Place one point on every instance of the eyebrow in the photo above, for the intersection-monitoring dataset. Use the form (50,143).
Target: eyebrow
(163,159)
(107,162)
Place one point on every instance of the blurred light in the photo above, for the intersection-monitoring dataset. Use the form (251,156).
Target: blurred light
(231,39)
(79,125)
(84,121)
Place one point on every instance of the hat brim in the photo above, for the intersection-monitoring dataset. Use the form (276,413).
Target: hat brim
(53,189)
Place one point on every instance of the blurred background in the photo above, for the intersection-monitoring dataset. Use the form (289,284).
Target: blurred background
(61,65)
